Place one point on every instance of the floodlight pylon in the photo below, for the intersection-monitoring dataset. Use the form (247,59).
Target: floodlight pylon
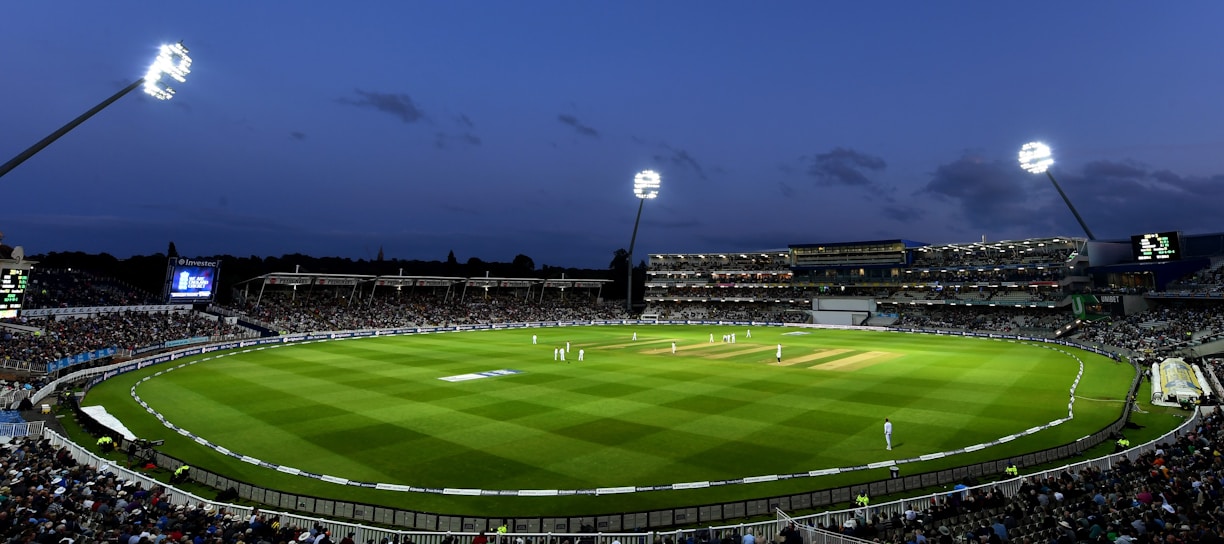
(1036,158)
(172,61)
(645,186)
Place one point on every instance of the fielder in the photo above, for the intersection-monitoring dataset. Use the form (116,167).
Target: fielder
(888,433)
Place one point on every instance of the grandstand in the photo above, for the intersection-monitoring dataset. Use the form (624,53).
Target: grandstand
(1022,287)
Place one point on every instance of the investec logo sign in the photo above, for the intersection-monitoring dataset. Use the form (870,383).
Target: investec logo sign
(194,262)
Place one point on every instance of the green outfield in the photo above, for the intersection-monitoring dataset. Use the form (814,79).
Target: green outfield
(631,414)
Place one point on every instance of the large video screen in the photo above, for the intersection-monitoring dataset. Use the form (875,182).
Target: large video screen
(1156,246)
(191,280)
(13,283)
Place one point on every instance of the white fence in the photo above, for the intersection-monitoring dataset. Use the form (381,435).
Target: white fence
(26,428)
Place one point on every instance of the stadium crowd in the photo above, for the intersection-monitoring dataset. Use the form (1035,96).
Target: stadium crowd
(1029,321)
(710,263)
(1208,281)
(46,497)
(989,256)
(125,330)
(1173,495)
(1157,330)
(325,311)
(66,288)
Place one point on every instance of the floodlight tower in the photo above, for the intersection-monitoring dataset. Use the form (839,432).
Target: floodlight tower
(172,60)
(645,186)
(1036,158)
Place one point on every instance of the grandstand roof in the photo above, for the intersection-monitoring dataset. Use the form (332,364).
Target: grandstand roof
(308,278)
(761,252)
(1005,244)
(906,243)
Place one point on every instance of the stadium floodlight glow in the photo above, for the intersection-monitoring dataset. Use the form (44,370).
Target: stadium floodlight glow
(645,186)
(1036,158)
(172,60)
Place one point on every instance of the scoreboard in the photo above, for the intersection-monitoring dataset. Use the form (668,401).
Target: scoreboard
(12,288)
(1156,246)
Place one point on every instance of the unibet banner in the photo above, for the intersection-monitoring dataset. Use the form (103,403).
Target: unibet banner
(1091,307)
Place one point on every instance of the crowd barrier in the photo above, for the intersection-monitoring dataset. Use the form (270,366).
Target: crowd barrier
(703,515)
(25,428)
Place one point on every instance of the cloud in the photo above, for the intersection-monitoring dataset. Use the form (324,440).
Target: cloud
(1109,169)
(990,194)
(400,105)
(677,223)
(582,129)
(786,189)
(675,156)
(903,213)
(1115,198)
(297,135)
(843,166)
(464,121)
(1118,199)
(681,157)
(443,140)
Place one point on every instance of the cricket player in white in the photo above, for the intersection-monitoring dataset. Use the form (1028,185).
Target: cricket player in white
(533,339)
(888,433)
(567,347)
(673,348)
(749,333)
(555,350)
(635,336)
(581,353)
(779,353)
(711,338)
(562,354)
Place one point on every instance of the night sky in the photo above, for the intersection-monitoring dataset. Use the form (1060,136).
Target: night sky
(496,128)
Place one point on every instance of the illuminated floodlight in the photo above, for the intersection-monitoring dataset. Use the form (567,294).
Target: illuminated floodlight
(1035,157)
(646,184)
(171,61)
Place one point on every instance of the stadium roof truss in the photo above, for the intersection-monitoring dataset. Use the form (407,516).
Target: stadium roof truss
(451,283)
(1028,244)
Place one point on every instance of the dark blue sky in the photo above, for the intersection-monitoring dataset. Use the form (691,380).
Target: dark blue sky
(498,128)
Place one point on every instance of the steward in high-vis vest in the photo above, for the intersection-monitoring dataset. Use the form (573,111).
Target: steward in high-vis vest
(862,500)
(180,474)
